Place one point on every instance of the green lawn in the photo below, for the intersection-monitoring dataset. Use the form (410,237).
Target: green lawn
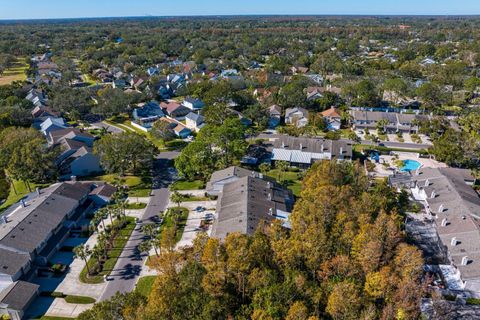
(169,222)
(291,180)
(15,73)
(54,318)
(188,185)
(136,206)
(113,254)
(137,186)
(145,284)
(124,123)
(79,299)
(21,191)
(194,198)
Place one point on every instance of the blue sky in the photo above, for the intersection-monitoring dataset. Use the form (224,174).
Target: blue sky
(34,9)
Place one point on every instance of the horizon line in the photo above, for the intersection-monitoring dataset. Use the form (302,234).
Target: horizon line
(248,15)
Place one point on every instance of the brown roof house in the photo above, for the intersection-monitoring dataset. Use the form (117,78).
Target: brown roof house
(332,119)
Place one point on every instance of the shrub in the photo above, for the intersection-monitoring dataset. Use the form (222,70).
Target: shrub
(79,299)
(474,301)
(57,294)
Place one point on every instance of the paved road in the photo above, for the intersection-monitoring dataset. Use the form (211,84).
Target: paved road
(110,128)
(390,144)
(129,266)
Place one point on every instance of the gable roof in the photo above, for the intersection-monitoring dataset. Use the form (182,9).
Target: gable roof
(11,262)
(170,106)
(69,133)
(195,117)
(18,295)
(29,226)
(248,201)
(331,113)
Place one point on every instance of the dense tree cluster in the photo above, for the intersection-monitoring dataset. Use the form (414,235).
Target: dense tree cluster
(345,257)
(125,152)
(215,147)
(24,156)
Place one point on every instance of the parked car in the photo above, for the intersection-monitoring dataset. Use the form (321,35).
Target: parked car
(200,209)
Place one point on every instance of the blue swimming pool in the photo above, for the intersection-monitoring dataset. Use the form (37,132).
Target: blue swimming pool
(410,165)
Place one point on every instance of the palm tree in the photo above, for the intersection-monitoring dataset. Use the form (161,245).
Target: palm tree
(177,198)
(122,205)
(102,241)
(149,230)
(145,246)
(94,223)
(110,213)
(282,166)
(101,214)
(83,252)
(264,168)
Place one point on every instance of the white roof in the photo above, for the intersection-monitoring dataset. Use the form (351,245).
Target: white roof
(297,156)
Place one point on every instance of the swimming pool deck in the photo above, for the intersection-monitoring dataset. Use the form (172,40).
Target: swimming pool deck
(382,171)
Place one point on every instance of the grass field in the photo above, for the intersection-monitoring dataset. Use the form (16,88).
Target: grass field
(291,180)
(21,191)
(15,73)
(145,284)
(123,122)
(188,185)
(136,206)
(137,186)
(79,299)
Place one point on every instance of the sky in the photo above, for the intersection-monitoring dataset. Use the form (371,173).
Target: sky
(40,9)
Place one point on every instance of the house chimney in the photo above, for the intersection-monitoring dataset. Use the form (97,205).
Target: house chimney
(427,183)
(269,197)
(283,145)
(441,208)
(464,261)
(444,222)
(341,150)
(301,147)
(321,148)
(453,242)
(4,219)
(433,194)
(270,211)
(73,178)
(38,191)
(22,202)
(417,172)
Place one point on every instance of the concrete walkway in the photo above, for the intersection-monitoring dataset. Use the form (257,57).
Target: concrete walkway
(61,308)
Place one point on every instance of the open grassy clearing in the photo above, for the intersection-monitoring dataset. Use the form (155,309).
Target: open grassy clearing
(145,285)
(137,186)
(292,180)
(17,193)
(16,73)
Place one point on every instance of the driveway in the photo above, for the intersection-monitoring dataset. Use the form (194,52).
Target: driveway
(110,128)
(192,227)
(131,262)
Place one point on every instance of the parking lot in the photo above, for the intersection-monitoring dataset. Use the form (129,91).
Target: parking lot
(198,211)
(392,137)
